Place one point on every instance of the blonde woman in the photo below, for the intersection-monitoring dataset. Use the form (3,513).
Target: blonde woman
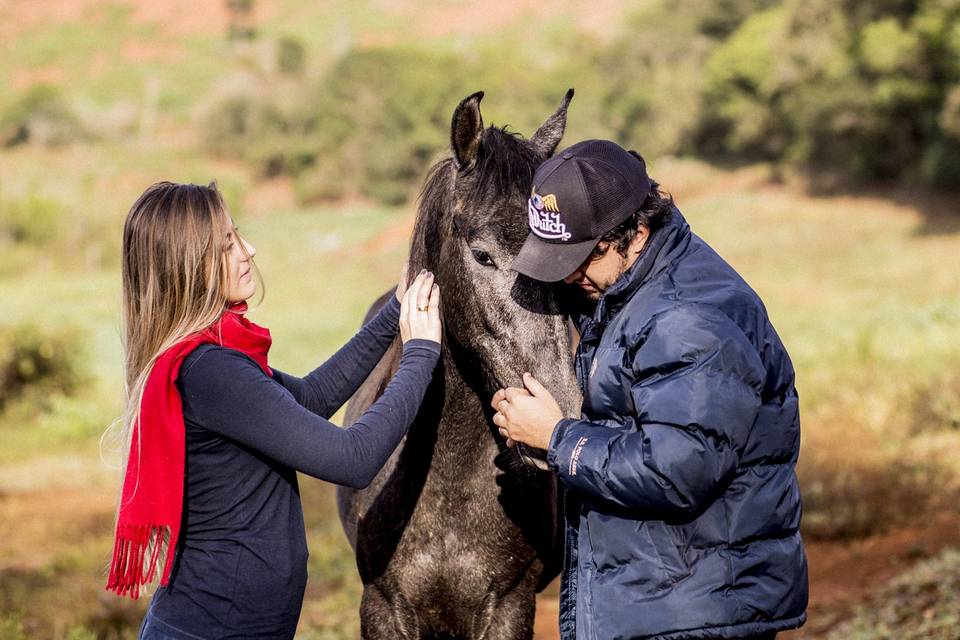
(210,503)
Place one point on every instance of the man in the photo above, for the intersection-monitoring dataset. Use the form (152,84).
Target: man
(682,503)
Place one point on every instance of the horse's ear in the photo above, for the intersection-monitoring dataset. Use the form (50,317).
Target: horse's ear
(548,136)
(466,130)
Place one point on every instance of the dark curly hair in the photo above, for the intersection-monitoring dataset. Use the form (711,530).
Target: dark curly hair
(654,213)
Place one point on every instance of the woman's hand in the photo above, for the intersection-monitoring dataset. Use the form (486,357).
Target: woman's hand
(420,310)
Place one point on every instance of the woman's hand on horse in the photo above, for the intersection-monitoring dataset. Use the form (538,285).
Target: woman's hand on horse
(526,415)
(420,310)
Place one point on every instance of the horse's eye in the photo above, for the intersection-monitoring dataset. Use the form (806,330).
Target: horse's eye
(483,258)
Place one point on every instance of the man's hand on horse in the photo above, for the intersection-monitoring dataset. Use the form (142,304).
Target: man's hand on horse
(526,415)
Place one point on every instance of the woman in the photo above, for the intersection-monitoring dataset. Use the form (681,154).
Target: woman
(210,501)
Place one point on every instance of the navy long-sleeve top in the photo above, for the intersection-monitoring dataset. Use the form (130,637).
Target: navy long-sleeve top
(241,568)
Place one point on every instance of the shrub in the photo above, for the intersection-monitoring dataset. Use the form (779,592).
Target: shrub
(11,628)
(850,496)
(936,406)
(232,121)
(371,125)
(651,93)
(40,116)
(32,220)
(383,114)
(322,182)
(859,88)
(291,55)
(38,363)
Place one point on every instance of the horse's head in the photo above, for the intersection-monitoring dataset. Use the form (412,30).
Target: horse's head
(471,223)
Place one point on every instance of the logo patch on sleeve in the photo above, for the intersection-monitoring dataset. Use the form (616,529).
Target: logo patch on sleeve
(545,217)
(575,456)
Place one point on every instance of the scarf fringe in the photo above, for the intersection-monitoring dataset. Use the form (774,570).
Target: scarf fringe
(134,545)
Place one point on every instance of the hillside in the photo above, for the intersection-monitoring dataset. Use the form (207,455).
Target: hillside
(319,130)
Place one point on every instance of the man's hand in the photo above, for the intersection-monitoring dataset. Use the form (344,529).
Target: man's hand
(526,415)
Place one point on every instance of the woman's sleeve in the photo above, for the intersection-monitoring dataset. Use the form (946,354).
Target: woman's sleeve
(325,389)
(227,393)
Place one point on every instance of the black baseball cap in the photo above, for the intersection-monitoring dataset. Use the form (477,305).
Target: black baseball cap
(577,196)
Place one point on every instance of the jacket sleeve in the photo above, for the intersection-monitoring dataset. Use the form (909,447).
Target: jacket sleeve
(695,382)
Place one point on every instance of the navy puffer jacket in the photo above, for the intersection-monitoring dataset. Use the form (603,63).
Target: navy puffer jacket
(682,507)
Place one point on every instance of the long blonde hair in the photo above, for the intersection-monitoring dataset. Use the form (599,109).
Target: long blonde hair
(174,280)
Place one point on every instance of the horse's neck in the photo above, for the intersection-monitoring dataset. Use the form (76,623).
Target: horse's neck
(462,419)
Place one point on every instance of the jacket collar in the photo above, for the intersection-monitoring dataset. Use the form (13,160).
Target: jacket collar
(662,249)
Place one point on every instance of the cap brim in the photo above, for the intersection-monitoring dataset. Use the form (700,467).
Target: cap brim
(550,262)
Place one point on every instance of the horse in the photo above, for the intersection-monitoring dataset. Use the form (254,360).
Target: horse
(455,536)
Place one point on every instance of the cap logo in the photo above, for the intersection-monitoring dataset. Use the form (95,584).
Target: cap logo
(545,217)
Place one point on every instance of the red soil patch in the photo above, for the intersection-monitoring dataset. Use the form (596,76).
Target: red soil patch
(36,526)
(457,19)
(174,17)
(25,78)
(841,573)
(17,17)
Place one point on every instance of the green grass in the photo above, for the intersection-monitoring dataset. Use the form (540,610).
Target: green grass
(318,289)
(866,305)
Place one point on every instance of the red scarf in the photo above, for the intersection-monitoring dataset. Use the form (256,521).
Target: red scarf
(152,501)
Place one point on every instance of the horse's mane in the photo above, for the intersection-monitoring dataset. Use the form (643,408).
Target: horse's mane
(505,164)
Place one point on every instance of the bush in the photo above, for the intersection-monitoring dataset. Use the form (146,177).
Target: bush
(32,220)
(371,125)
(384,113)
(864,89)
(936,406)
(234,121)
(11,628)
(323,182)
(249,120)
(850,496)
(40,116)
(651,93)
(861,89)
(291,55)
(38,363)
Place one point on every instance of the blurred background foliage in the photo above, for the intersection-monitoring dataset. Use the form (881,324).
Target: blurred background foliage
(815,144)
(858,90)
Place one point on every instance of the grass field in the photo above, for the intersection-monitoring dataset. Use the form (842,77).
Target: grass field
(863,288)
(864,296)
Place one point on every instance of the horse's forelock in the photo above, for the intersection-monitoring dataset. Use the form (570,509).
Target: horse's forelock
(504,168)
(506,163)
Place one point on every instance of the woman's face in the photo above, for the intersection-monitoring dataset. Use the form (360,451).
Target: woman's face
(240,282)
